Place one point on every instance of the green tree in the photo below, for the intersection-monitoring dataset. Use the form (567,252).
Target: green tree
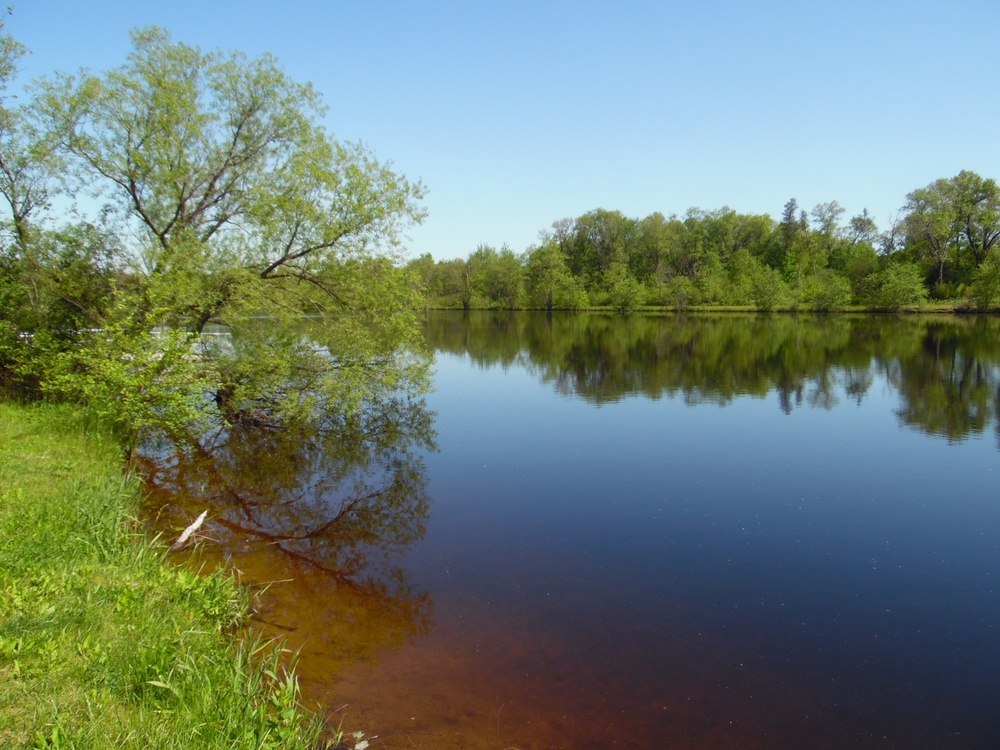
(61,282)
(452,282)
(792,225)
(953,223)
(899,284)
(651,247)
(825,291)
(479,270)
(679,292)
(753,282)
(862,229)
(986,287)
(423,270)
(712,281)
(855,262)
(624,292)
(599,239)
(550,285)
(768,288)
(504,279)
(977,214)
(690,254)
(803,252)
(929,227)
(742,268)
(827,219)
(27,160)
(39,282)
(728,232)
(230,201)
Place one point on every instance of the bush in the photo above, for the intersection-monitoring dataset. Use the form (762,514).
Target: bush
(769,289)
(896,286)
(679,292)
(570,295)
(826,291)
(626,295)
(944,290)
(986,286)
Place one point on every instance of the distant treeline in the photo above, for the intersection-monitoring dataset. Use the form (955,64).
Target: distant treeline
(941,246)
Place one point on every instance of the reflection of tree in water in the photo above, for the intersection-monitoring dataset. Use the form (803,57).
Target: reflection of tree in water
(328,513)
(704,359)
(945,369)
(949,385)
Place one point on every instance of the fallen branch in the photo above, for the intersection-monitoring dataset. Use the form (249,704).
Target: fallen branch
(182,539)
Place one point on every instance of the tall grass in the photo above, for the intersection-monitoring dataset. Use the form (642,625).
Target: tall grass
(102,644)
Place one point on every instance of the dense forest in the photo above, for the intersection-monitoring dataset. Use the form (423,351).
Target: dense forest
(941,246)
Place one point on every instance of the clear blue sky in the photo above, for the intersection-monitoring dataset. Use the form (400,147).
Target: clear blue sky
(516,114)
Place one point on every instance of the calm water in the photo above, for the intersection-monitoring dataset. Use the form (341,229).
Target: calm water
(752,532)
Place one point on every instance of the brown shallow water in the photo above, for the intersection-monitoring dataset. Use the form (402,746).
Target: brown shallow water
(475,676)
(589,545)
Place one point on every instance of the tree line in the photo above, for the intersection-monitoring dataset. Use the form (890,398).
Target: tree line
(942,245)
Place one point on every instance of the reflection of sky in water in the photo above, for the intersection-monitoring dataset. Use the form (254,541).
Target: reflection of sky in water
(833,544)
(810,572)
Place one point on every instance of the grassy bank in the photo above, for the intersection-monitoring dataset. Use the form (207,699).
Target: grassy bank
(102,644)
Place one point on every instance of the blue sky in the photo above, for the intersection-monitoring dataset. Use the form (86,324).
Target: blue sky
(516,114)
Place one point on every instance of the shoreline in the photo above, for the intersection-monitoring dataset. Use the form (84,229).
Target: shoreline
(104,643)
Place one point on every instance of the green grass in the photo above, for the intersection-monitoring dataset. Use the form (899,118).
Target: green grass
(103,644)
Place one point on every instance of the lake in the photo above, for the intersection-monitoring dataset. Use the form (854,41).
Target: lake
(606,532)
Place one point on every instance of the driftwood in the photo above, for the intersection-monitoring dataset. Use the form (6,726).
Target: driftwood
(183,538)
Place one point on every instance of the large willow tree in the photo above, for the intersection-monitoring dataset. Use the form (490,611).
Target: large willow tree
(224,202)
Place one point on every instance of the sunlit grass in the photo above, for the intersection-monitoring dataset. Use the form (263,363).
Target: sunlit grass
(102,644)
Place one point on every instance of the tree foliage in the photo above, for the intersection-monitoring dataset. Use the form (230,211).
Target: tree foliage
(550,284)
(941,244)
(223,200)
(896,286)
(952,224)
(986,287)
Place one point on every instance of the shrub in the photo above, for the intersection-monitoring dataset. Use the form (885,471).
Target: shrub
(896,286)
(986,286)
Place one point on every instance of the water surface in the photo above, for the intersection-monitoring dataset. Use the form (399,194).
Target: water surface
(600,532)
